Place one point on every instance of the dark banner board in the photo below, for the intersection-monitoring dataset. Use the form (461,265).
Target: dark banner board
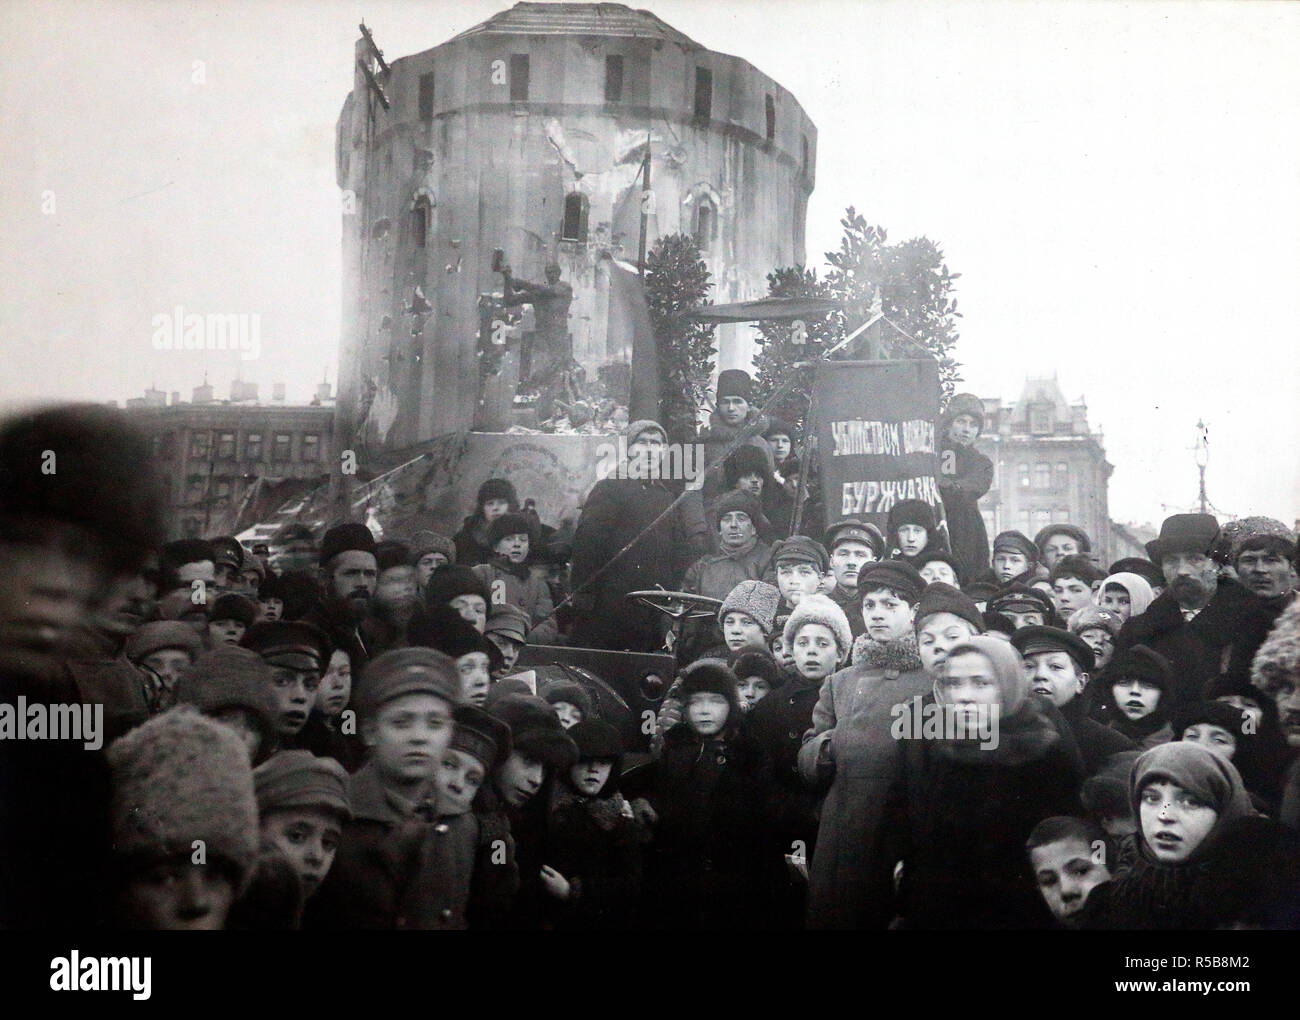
(876,424)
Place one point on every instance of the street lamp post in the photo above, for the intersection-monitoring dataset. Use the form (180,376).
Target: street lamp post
(1202,457)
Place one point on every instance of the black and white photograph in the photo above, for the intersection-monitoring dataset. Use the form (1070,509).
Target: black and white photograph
(732,467)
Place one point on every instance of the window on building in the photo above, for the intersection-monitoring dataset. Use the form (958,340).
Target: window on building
(226,446)
(421,213)
(196,490)
(1062,478)
(200,444)
(311,447)
(575,217)
(221,488)
(1061,515)
(614,78)
(155,446)
(706,221)
(1040,419)
(769,111)
(253,446)
(519,77)
(1023,470)
(426,96)
(703,93)
(1042,518)
(1042,476)
(283,445)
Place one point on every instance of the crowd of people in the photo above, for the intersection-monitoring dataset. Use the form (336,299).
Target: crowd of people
(908,727)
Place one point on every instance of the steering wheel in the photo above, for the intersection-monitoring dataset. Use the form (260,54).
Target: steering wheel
(678,605)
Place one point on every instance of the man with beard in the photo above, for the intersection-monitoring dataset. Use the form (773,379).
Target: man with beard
(1205,625)
(349,575)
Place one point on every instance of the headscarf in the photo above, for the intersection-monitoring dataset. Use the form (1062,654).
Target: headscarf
(1008,670)
(1139,591)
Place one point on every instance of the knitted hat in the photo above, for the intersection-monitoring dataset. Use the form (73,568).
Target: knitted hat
(820,609)
(1031,640)
(1261,533)
(733,382)
(964,403)
(535,729)
(634,429)
(229,677)
(744,460)
(734,500)
(781,428)
(1208,776)
(509,524)
(451,581)
(1008,670)
(572,692)
(933,555)
(178,778)
(447,631)
(756,600)
(233,607)
(389,554)
(850,529)
(1016,542)
(1140,663)
(346,538)
(596,738)
(899,577)
(496,488)
(295,644)
(1078,566)
(1186,533)
(299,779)
(1090,618)
(747,663)
(1145,569)
(425,542)
(1279,655)
(510,622)
(154,637)
(1078,534)
(801,549)
(710,676)
(944,598)
(403,671)
(481,735)
(103,480)
(1140,595)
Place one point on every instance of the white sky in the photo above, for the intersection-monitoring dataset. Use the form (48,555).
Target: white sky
(1118,183)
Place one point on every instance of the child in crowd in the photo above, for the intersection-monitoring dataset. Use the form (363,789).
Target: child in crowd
(475,656)
(163,650)
(270,599)
(592,838)
(1024,607)
(912,529)
(507,628)
(509,578)
(1233,734)
(570,700)
(297,653)
(1014,558)
(233,686)
(429,551)
(1124,594)
(757,676)
(777,646)
(1069,858)
(746,615)
(1057,541)
(938,565)
(1139,680)
(228,618)
(463,590)
(1074,579)
(473,543)
(330,732)
(851,750)
(178,778)
(800,567)
(1098,629)
(965,475)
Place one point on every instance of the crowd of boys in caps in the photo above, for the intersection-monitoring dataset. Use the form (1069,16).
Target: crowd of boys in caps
(341,736)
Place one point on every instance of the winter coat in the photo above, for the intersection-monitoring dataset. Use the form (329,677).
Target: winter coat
(1096,741)
(851,748)
(971,478)
(594,845)
(969,812)
(706,869)
(471,541)
(1221,640)
(718,436)
(715,574)
(851,603)
(434,862)
(324,739)
(520,589)
(778,723)
(616,512)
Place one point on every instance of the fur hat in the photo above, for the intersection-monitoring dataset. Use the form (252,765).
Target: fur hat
(944,598)
(350,537)
(745,460)
(1017,543)
(1278,656)
(535,729)
(232,606)
(736,501)
(154,637)
(1140,663)
(635,428)
(496,488)
(1031,640)
(1260,533)
(572,692)
(1078,534)
(1188,533)
(596,738)
(777,427)
(510,524)
(481,735)
(755,599)
(820,609)
(1091,618)
(850,529)
(425,542)
(748,662)
(229,677)
(299,779)
(911,511)
(899,577)
(446,630)
(710,676)
(801,549)
(964,403)
(403,671)
(1078,566)
(733,382)
(451,581)
(178,778)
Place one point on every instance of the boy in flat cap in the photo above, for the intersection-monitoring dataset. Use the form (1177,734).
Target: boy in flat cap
(1075,580)
(1024,606)
(1014,558)
(507,628)
(1057,541)
(799,566)
(297,653)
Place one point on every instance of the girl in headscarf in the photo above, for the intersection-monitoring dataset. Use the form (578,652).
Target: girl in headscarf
(1205,858)
(1125,594)
(971,803)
